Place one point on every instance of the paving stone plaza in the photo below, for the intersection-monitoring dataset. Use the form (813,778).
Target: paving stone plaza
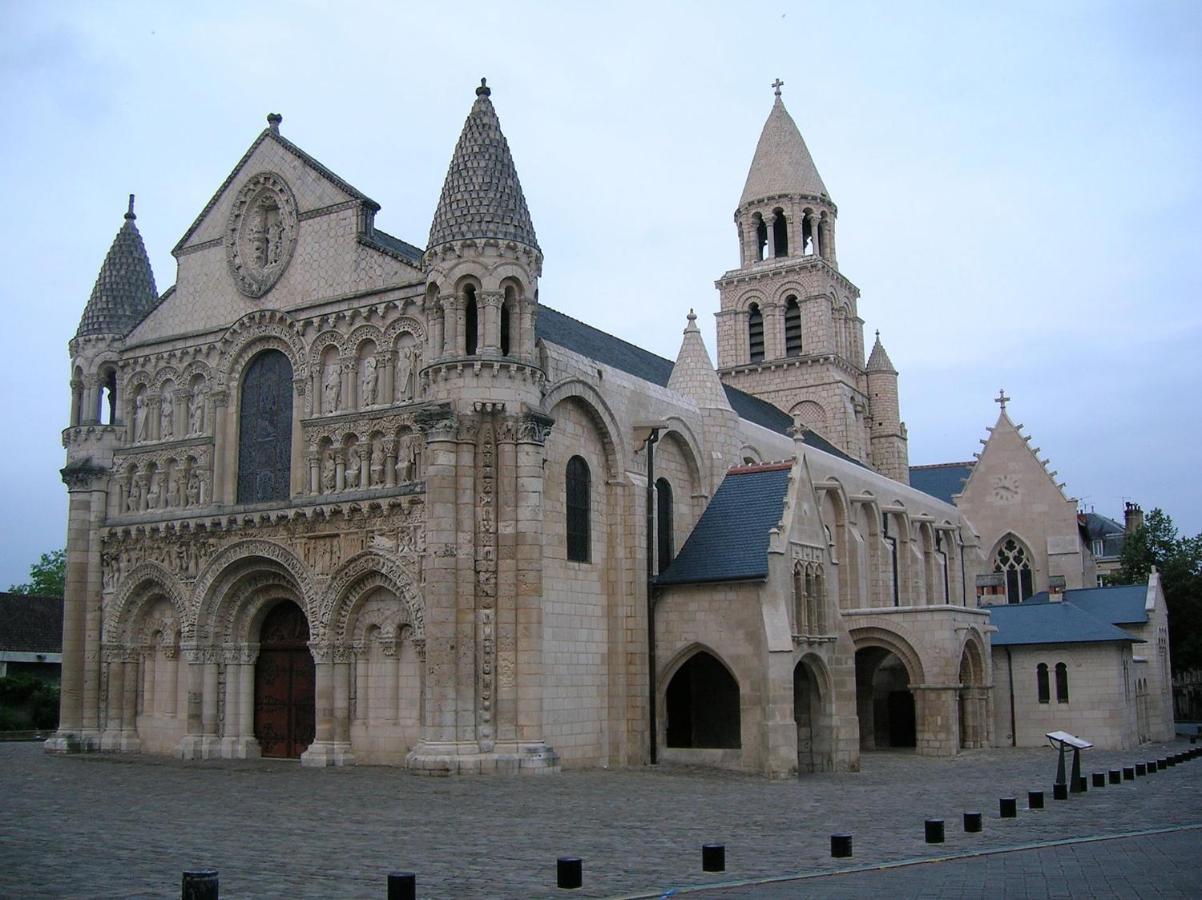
(273,828)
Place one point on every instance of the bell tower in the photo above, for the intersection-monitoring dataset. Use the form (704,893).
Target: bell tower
(789,329)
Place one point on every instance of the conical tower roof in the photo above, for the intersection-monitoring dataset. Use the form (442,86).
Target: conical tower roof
(482,197)
(694,375)
(124,291)
(878,360)
(782,163)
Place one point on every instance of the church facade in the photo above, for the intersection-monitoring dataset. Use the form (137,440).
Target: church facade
(336,497)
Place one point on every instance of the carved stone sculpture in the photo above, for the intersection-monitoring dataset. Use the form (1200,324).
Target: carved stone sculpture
(140,432)
(327,473)
(196,411)
(153,492)
(404,374)
(377,464)
(353,464)
(193,489)
(368,381)
(331,389)
(167,415)
(135,494)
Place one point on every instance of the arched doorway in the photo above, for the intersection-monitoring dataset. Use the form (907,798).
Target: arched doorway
(814,743)
(884,702)
(971,698)
(284,684)
(703,705)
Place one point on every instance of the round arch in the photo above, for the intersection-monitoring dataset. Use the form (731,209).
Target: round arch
(594,406)
(255,332)
(353,583)
(897,644)
(235,562)
(144,584)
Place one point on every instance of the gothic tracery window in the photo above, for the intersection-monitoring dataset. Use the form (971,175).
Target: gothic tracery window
(1014,561)
(577,503)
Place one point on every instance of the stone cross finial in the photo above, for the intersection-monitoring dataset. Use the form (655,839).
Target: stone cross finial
(1001,399)
(129,214)
(776,86)
(273,122)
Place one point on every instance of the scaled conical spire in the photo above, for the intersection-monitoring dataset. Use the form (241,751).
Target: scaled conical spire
(782,162)
(694,375)
(124,292)
(482,197)
(878,360)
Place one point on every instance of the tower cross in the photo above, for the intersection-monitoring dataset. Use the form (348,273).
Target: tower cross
(776,86)
(1001,398)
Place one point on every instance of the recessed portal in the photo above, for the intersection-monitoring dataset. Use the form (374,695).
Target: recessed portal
(703,705)
(884,702)
(284,684)
(814,737)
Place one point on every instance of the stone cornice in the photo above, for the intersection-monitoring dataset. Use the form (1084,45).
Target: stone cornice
(789,265)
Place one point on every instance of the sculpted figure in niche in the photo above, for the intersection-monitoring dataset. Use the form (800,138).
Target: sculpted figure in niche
(404,374)
(331,388)
(368,381)
(172,497)
(167,415)
(196,411)
(327,473)
(135,494)
(193,489)
(354,463)
(406,465)
(153,492)
(140,433)
(377,463)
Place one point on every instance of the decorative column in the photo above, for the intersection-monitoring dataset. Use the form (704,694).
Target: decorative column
(90,414)
(129,703)
(314,458)
(526,348)
(343,660)
(322,752)
(389,462)
(114,663)
(490,340)
(450,340)
(170,669)
(193,740)
(220,400)
(435,316)
(232,719)
(247,746)
(385,393)
(210,741)
(339,470)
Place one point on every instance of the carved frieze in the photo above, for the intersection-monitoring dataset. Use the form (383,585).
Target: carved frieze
(261,233)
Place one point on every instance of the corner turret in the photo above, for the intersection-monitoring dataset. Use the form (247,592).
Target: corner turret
(890,446)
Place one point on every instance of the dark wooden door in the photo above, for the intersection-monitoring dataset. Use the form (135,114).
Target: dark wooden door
(284,684)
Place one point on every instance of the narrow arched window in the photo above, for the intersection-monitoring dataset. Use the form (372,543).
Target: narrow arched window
(577,502)
(506,331)
(1041,682)
(780,233)
(265,429)
(107,415)
(761,237)
(755,333)
(663,523)
(471,319)
(792,327)
(1061,683)
(808,237)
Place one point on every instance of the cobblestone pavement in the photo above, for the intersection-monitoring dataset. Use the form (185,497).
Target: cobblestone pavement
(120,825)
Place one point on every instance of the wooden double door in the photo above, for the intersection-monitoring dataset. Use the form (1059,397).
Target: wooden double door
(284,684)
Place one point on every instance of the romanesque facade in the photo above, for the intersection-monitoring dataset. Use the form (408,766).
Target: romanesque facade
(337,497)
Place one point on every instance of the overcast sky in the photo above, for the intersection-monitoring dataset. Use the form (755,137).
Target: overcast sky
(1019,189)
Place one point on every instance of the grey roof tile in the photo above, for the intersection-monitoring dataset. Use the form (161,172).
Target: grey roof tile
(124,291)
(940,481)
(1035,622)
(1119,605)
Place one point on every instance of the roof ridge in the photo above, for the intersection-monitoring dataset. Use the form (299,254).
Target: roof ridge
(945,465)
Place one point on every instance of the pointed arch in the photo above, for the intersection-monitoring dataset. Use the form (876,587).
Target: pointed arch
(701,701)
(1011,557)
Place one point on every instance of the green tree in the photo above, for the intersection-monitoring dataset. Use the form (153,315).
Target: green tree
(1179,561)
(47,576)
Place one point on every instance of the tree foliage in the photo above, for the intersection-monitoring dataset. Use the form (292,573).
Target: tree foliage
(1179,561)
(47,576)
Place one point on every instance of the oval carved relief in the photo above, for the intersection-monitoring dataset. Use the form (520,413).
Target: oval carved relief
(261,233)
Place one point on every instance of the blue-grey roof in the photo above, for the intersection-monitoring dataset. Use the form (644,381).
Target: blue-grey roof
(1106,530)
(940,481)
(394,245)
(1035,622)
(1119,605)
(556,328)
(730,542)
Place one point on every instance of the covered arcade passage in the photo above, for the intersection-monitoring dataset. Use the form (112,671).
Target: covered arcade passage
(812,714)
(703,705)
(884,702)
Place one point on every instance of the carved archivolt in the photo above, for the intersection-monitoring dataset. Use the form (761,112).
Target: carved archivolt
(143,583)
(265,329)
(325,340)
(261,233)
(162,375)
(236,560)
(903,649)
(404,324)
(360,577)
(361,334)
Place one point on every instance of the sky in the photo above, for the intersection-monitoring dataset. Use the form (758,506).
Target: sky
(1019,187)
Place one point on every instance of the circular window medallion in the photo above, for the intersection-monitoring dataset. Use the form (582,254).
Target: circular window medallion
(261,233)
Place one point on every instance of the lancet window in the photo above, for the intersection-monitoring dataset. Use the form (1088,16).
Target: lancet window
(1014,561)
(577,503)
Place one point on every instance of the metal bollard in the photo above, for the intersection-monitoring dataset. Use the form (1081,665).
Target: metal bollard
(1153,766)
(1060,791)
(713,857)
(1128,773)
(199,884)
(569,872)
(841,845)
(402,886)
(1141,769)
(934,831)
(1082,784)
(972,822)
(1116,776)
(1034,799)
(1099,779)
(1007,807)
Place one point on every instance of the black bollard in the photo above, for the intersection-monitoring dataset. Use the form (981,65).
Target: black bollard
(1007,807)
(713,857)
(1172,760)
(1082,784)
(1153,766)
(569,872)
(1099,779)
(402,886)
(840,845)
(1035,799)
(1060,791)
(934,829)
(1116,776)
(1141,769)
(199,884)
(1128,773)
(972,822)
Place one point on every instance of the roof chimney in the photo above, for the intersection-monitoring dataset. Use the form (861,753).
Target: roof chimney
(1133,517)
(1056,585)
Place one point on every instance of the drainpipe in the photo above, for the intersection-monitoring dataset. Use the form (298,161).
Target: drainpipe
(893,553)
(1010,675)
(652,439)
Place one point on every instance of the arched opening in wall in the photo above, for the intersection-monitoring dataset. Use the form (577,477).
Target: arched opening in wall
(703,705)
(1061,683)
(285,684)
(507,309)
(884,702)
(663,524)
(780,233)
(1013,559)
(813,720)
(807,233)
(755,333)
(471,320)
(971,697)
(792,327)
(578,505)
(265,429)
(761,237)
(107,413)
(77,396)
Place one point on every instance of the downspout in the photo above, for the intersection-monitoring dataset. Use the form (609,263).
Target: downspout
(1010,675)
(652,439)
(893,554)
(963,575)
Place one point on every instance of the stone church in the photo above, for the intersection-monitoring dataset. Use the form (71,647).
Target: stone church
(338,497)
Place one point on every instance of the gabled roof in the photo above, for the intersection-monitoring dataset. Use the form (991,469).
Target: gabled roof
(782,163)
(1121,604)
(942,480)
(482,197)
(730,541)
(1100,528)
(1043,622)
(124,291)
(556,328)
(30,623)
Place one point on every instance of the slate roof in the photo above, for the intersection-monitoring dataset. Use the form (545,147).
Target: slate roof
(1101,528)
(1035,622)
(782,163)
(482,197)
(730,542)
(30,623)
(394,245)
(556,328)
(940,481)
(878,360)
(124,291)
(1119,605)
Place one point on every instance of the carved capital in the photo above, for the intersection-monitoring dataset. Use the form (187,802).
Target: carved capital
(438,423)
(535,427)
(82,475)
